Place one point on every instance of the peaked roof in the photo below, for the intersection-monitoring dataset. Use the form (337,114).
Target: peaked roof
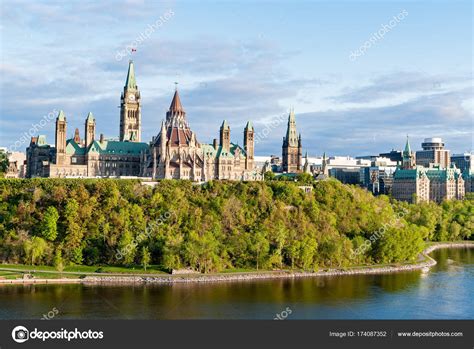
(90,117)
(249,126)
(176,102)
(131,82)
(407,150)
(61,116)
(291,137)
(224,124)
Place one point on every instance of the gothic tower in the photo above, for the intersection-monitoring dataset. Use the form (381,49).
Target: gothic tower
(408,157)
(89,131)
(225,136)
(130,109)
(292,147)
(60,138)
(249,145)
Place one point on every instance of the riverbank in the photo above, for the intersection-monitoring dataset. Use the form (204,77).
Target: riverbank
(424,261)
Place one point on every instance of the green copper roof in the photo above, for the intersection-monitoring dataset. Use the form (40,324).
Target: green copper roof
(106,147)
(409,174)
(131,82)
(443,174)
(90,117)
(407,150)
(118,148)
(72,148)
(249,126)
(209,149)
(61,116)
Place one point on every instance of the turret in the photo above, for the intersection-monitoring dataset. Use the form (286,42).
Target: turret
(225,136)
(249,146)
(89,131)
(60,138)
(408,157)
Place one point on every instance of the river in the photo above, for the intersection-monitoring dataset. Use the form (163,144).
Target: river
(444,292)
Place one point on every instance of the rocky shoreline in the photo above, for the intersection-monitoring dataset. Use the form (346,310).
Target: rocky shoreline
(426,263)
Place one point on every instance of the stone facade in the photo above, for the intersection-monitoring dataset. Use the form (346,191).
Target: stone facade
(91,157)
(292,149)
(176,153)
(414,183)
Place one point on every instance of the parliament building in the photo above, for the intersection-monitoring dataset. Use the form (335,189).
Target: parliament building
(175,153)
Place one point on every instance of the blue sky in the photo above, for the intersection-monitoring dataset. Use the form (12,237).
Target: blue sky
(240,60)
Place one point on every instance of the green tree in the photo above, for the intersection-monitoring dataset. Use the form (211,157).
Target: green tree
(146,257)
(260,247)
(34,249)
(49,226)
(3,162)
(58,260)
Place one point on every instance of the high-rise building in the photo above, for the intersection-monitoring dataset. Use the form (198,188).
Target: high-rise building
(463,161)
(292,149)
(433,153)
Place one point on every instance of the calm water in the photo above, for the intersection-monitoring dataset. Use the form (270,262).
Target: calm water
(445,292)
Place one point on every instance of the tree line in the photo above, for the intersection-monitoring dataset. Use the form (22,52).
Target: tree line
(218,225)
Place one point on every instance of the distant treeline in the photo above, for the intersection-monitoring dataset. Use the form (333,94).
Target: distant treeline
(216,226)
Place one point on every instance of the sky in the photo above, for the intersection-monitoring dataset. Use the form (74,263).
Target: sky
(360,75)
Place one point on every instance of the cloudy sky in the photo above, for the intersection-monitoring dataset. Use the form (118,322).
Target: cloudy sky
(358,80)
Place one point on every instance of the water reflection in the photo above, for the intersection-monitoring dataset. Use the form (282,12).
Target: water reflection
(443,292)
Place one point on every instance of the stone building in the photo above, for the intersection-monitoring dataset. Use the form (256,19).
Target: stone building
(414,183)
(176,152)
(89,156)
(292,149)
(445,183)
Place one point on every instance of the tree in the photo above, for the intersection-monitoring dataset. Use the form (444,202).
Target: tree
(74,233)
(269,176)
(58,260)
(49,227)
(146,257)
(34,249)
(260,246)
(3,162)
(305,178)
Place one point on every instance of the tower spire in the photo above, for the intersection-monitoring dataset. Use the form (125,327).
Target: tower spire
(131,83)
(407,147)
(176,102)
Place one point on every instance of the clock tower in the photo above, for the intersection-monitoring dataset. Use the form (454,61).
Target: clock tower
(130,109)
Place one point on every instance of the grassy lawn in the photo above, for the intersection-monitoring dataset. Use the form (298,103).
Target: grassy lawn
(79,269)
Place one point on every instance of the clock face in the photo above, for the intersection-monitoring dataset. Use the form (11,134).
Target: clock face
(131,98)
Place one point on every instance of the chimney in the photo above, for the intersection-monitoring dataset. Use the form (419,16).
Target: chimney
(214,143)
(101,138)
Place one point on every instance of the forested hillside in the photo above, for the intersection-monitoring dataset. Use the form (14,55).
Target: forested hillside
(216,226)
